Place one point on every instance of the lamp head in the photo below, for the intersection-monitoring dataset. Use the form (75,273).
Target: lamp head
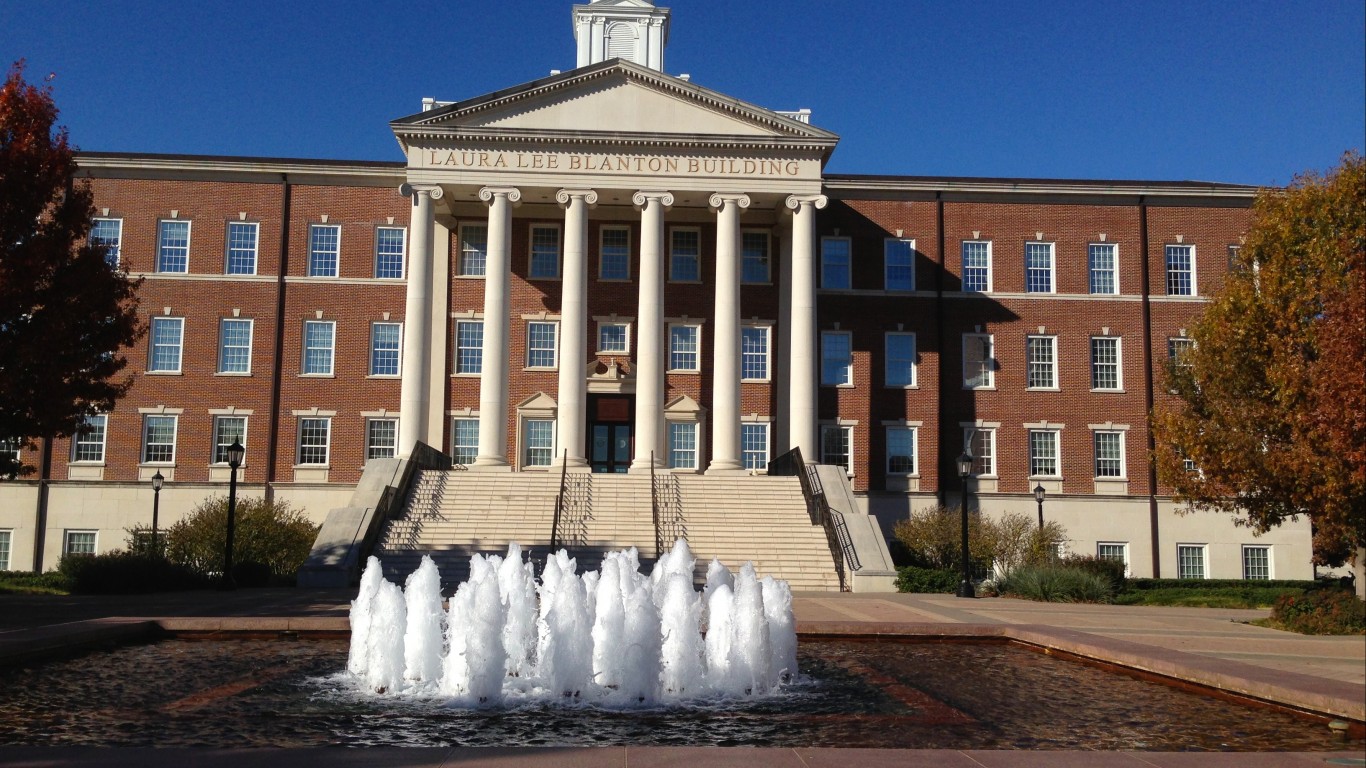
(964,464)
(1039,493)
(235,454)
(158,480)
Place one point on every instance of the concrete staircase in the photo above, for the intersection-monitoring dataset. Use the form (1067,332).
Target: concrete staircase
(451,515)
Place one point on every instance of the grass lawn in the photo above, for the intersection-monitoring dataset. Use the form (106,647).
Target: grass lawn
(28,583)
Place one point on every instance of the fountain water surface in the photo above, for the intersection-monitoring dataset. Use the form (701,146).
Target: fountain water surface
(615,636)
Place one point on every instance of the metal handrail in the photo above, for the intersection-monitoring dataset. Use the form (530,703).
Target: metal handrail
(654,509)
(559,503)
(818,507)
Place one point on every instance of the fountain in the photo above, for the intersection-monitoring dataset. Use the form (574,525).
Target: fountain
(614,637)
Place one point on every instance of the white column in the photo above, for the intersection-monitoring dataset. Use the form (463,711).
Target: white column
(725,389)
(583,38)
(802,387)
(782,340)
(493,382)
(573,399)
(650,332)
(417,322)
(656,41)
(597,44)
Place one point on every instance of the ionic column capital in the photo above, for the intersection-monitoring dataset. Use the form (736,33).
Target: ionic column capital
(644,196)
(795,202)
(719,200)
(565,196)
(511,194)
(434,191)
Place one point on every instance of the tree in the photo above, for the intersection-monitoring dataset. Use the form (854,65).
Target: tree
(1269,417)
(65,311)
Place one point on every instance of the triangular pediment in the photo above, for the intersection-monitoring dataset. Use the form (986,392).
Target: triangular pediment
(616,99)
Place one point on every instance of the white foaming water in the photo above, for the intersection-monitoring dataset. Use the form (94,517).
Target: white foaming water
(616,637)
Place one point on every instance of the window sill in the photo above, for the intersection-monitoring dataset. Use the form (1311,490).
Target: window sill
(758,283)
(980,389)
(545,278)
(541,369)
(1110,391)
(755,381)
(685,371)
(901,386)
(317,375)
(236,374)
(837,386)
(163,373)
(612,353)
(684,282)
(1042,389)
(459,375)
(385,376)
(312,466)
(470,277)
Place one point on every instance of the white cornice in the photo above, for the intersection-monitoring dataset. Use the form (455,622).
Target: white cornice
(241,169)
(855,186)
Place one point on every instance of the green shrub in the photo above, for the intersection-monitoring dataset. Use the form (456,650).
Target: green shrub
(1224,597)
(1144,584)
(28,582)
(270,535)
(1327,611)
(1055,584)
(933,539)
(1110,570)
(126,572)
(912,579)
(1017,540)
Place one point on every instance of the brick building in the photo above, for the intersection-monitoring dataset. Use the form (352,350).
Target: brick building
(612,267)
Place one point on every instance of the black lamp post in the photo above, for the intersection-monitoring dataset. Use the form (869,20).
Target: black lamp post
(158,480)
(1038,496)
(235,454)
(964,471)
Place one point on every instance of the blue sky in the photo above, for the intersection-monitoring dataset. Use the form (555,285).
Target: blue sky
(1248,91)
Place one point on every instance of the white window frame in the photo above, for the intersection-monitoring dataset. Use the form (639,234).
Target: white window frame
(397,351)
(696,353)
(751,458)
(914,433)
(402,254)
(983,451)
(625,349)
(147,420)
(385,452)
(229,250)
(68,537)
(1092,271)
(114,244)
(1123,552)
(986,367)
(963,265)
(6,546)
(1097,458)
(537,247)
(684,456)
(475,365)
(1050,271)
(602,253)
(331,349)
(326,444)
(746,256)
(831,268)
(1172,274)
(887,266)
(1203,550)
(1176,345)
(474,258)
(223,345)
(748,355)
(163,248)
(1037,458)
(1041,374)
(1270,562)
(527,446)
(100,426)
(153,345)
(470,449)
(219,456)
(1118,364)
(847,437)
(540,348)
(840,371)
(910,368)
(679,256)
(315,252)
(10,445)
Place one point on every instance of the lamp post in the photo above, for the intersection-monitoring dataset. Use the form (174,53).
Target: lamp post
(235,454)
(1038,496)
(964,470)
(158,480)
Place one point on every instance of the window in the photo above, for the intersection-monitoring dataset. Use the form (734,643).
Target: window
(1190,561)
(977,266)
(979,364)
(474,249)
(4,550)
(1234,252)
(1039,267)
(469,346)
(980,443)
(242,236)
(1256,562)
(1114,550)
(1105,363)
(88,443)
(381,438)
(226,431)
(837,358)
(315,435)
(754,353)
(540,344)
(324,250)
(234,345)
(685,342)
(167,334)
(683,445)
(898,264)
(1178,350)
(464,440)
(389,243)
(754,259)
(158,439)
(318,337)
(545,253)
(901,444)
(685,255)
(9,449)
(614,254)
(1109,454)
(1041,362)
(108,234)
(540,442)
(837,446)
(754,445)
(1180,270)
(1043,453)
(900,360)
(835,267)
(173,246)
(1104,265)
(614,338)
(79,543)
(384,341)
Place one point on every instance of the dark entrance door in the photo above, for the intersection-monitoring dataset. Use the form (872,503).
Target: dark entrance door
(609,432)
